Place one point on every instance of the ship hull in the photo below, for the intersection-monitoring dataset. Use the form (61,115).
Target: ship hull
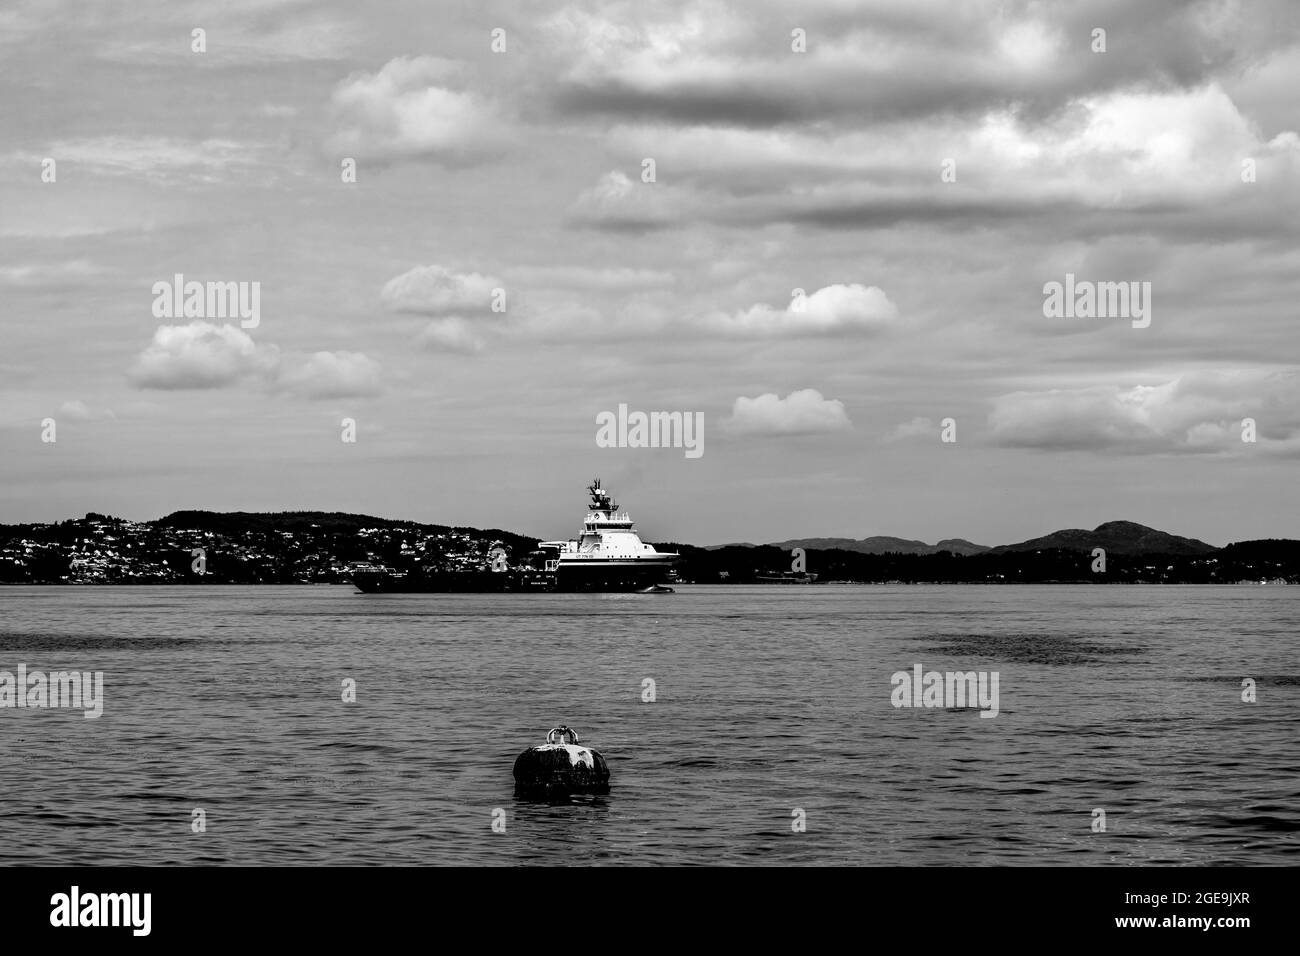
(610,576)
(591,576)
(449,582)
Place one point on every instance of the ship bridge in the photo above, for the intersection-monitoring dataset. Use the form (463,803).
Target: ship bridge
(611,520)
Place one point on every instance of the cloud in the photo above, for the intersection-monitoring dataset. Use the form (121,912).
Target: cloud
(916,428)
(454,299)
(202,355)
(435,290)
(711,64)
(802,412)
(331,375)
(618,203)
(1133,151)
(404,111)
(1197,412)
(848,309)
(151,157)
(829,310)
(452,334)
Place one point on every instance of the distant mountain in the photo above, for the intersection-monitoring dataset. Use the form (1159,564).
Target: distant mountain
(882,544)
(960,546)
(1116,537)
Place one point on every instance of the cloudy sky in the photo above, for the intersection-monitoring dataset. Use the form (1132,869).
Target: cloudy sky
(918,170)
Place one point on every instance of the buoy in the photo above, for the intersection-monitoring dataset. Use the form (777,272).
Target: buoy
(561,766)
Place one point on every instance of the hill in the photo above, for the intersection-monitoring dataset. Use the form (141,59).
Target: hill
(320,523)
(1116,537)
(882,544)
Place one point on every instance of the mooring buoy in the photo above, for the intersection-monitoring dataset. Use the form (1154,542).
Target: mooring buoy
(560,766)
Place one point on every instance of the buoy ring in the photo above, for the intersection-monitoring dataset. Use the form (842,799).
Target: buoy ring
(562,732)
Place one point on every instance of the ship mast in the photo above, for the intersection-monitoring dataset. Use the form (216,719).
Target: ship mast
(599,500)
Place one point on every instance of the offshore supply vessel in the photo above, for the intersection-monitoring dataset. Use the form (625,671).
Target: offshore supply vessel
(607,555)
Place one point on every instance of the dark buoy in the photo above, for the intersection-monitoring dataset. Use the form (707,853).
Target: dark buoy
(560,766)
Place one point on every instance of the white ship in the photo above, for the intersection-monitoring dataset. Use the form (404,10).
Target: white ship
(608,555)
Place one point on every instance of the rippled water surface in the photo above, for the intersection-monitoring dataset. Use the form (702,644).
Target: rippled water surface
(228,699)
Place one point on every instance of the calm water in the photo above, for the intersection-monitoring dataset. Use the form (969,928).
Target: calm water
(768,699)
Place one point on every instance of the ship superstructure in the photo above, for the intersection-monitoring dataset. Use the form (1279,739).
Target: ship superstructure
(608,554)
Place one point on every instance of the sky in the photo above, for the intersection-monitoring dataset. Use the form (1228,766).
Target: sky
(827,228)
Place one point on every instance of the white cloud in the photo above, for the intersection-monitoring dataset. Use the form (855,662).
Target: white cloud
(832,309)
(1200,411)
(452,334)
(202,355)
(435,290)
(619,203)
(331,375)
(802,412)
(916,428)
(835,310)
(404,111)
(1118,150)
(1030,45)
